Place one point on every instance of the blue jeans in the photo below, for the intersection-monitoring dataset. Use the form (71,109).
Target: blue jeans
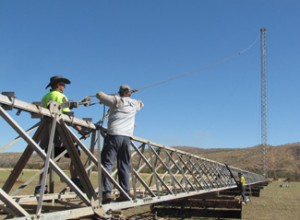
(243,192)
(116,147)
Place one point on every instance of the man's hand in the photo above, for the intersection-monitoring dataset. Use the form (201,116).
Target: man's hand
(73,105)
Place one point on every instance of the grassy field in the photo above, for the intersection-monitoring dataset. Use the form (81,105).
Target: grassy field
(274,203)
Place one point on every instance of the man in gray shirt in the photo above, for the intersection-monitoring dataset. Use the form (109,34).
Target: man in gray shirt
(121,122)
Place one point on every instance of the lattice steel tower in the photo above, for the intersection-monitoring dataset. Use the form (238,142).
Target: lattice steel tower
(264,101)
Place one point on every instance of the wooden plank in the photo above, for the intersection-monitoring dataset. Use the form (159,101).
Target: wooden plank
(206,203)
(196,212)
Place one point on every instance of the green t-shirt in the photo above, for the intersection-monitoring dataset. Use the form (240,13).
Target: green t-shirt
(57,96)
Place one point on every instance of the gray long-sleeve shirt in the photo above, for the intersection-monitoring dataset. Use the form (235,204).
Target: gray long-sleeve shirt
(121,119)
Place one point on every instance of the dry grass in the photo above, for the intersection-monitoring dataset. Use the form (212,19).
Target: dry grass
(275,203)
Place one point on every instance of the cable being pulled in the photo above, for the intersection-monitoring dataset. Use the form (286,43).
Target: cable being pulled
(202,69)
(198,69)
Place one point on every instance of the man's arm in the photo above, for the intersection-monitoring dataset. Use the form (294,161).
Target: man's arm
(105,99)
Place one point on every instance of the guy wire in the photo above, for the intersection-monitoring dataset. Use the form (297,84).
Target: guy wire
(199,70)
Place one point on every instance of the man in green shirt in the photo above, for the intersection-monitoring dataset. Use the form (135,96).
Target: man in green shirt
(57,86)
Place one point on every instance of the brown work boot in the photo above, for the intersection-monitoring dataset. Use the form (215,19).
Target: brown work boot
(123,198)
(106,198)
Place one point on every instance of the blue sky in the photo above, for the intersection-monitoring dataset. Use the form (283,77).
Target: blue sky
(100,45)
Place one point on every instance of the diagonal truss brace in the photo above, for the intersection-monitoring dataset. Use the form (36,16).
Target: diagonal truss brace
(158,174)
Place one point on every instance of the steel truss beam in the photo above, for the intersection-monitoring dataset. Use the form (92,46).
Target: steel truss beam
(158,173)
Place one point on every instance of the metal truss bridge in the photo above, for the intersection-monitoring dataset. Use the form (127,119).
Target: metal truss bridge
(158,174)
